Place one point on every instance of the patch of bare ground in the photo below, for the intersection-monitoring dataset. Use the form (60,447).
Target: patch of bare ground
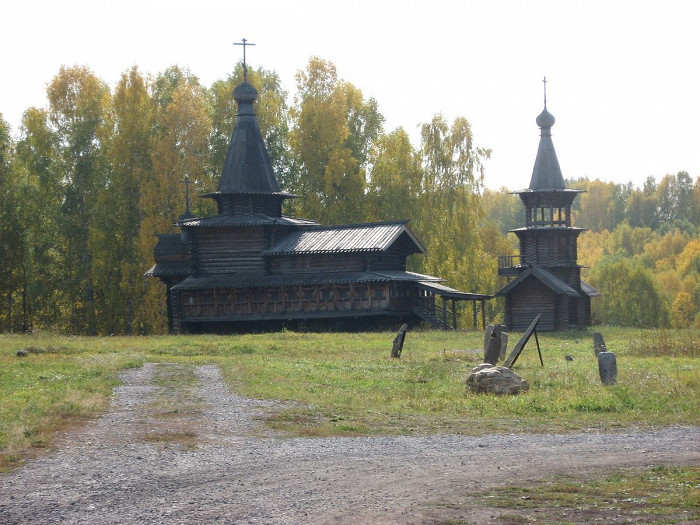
(178,447)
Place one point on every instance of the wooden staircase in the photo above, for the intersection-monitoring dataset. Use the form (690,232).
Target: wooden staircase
(430,316)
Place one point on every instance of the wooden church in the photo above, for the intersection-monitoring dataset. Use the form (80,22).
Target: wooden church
(546,278)
(249,264)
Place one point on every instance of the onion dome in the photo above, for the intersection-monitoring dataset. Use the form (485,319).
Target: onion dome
(545,119)
(245,95)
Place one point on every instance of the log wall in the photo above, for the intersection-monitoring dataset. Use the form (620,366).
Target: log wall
(530,298)
(221,251)
(318,262)
(295,301)
(334,262)
(553,247)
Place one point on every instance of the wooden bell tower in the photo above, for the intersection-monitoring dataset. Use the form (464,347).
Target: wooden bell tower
(547,274)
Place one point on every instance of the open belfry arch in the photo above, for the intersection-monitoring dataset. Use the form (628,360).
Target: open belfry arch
(546,277)
(250,264)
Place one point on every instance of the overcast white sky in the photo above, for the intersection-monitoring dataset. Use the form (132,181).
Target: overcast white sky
(623,76)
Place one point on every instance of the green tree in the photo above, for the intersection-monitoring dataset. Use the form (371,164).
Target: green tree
(642,206)
(683,311)
(450,210)
(38,165)
(334,128)
(602,205)
(120,265)
(77,110)
(628,241)
(396,174)
(503,208)
(12,279)
(179,147)
(630,296)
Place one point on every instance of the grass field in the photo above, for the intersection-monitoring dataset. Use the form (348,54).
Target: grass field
(346,383)
(653,495)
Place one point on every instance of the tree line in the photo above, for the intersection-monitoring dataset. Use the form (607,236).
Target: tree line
(94,175)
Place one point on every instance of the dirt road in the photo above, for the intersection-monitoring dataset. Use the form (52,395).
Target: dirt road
(212,461)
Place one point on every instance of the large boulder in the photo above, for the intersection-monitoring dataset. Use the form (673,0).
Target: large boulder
(489,379)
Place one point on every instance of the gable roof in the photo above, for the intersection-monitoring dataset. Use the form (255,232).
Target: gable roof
(169,269)
(451,293)
(548,279)
(370,237)
(589,290)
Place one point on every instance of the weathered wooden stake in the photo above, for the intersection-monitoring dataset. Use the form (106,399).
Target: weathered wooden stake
(598,344)
(487,337)
(607,367)
(494,347)
(398,341)
(504,347)
(515,353)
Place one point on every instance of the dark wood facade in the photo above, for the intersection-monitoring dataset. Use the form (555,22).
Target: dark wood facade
(546,277)
(250,264)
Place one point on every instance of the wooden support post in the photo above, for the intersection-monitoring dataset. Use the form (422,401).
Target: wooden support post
(454,314)
(444,313)
(398,341)
(513,357)
(474,311)
(483,314)
(538,348)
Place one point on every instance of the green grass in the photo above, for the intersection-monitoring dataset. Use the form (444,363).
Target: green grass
(174,413)
(346,384)
(655,495)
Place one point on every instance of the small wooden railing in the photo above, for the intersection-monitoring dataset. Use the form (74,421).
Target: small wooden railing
(433,312)
(508,261)
(508,265)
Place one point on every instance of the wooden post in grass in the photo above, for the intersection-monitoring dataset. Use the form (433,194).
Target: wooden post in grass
(607,367)
(493,348)
(398,341)
(513,357)
(598,344)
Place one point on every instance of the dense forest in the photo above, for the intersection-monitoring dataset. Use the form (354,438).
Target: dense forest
(91,178)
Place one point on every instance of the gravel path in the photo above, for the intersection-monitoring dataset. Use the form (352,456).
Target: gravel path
(213,461)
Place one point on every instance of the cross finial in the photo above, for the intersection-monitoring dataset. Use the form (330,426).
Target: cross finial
(187,183)
(244,43)
(544,81)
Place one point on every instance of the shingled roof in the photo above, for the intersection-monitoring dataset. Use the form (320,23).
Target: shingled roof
(247,167)
(546,174)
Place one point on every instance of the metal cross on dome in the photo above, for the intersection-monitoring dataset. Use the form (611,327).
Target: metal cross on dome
(244,43)
(544,81)
(187,183)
